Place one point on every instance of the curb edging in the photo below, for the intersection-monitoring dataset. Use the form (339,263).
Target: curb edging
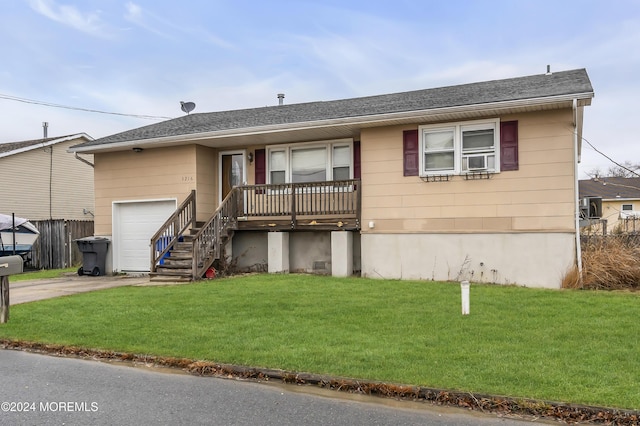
(502,405)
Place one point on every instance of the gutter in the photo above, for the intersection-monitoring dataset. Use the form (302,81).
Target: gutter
(337,122)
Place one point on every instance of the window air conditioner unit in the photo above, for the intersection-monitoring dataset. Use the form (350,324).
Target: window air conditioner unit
(592,206)
(477,162)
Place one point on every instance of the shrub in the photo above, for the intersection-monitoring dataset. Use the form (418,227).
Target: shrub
(608,263)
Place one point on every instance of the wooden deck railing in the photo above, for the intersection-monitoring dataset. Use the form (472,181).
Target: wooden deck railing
(207,243)
(168,234)
(301,199)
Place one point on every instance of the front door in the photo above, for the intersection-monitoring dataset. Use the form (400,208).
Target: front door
(231,172)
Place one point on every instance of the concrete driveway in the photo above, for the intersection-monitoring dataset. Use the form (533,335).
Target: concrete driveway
(32,290)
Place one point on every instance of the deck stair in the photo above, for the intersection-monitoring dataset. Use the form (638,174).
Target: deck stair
(187,254)
(178,265)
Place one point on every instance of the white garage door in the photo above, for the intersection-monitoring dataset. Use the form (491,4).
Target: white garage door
(134,225)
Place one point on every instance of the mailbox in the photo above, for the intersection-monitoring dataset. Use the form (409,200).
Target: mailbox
(11,265)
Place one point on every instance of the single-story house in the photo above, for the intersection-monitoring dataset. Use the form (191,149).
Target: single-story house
(41,180)
(475,181)
(614,199)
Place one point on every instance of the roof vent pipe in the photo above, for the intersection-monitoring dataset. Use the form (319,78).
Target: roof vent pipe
(45,126)
(280,98)
(548,70)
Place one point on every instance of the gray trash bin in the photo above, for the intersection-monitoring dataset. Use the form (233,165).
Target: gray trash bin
(94,255)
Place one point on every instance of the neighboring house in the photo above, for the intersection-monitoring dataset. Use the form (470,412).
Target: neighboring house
(614,199)
(476,181)
(41,180)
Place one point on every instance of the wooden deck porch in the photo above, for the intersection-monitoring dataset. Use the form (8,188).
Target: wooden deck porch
(303,206)
(183,248)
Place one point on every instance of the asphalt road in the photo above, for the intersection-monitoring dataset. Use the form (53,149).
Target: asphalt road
(45,390)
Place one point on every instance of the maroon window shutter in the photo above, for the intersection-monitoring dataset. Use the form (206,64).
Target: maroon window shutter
(410,152)
(508,145)
(356,159)
(261,166)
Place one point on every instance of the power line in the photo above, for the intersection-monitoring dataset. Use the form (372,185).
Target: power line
(49,104)
(610,159)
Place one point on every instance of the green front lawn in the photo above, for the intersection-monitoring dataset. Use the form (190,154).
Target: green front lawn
(41,274)
(568,346)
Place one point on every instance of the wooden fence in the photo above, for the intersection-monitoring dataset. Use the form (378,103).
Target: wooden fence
(629,225)
(628,240)
(55,247)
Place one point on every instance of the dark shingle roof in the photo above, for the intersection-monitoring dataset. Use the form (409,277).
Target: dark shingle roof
(513,89)
(610,188)
(12,146)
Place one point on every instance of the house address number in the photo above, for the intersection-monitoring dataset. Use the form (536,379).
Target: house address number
(187,178)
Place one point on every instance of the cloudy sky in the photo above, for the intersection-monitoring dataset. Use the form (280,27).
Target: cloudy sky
(141,58)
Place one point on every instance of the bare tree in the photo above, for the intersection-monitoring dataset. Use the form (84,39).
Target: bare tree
(626,170)
(594,173)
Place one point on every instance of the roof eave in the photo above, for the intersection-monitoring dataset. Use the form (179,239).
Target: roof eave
(45,144)
(362,121)
(620,199)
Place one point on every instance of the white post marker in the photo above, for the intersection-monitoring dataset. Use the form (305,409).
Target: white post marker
(464,289)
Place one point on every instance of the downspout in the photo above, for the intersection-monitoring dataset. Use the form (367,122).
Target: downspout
(83,160)
(576,158)
(45,135)
(45,127)
(50,182)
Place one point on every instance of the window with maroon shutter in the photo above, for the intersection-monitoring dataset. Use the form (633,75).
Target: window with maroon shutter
(260,166)
(468,148)
(508,145)
(410,153)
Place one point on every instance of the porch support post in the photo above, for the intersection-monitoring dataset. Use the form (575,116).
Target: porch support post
(278,252)
(341,253)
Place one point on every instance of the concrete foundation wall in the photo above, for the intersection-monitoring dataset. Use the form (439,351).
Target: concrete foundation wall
(527,259)
(250,251)
(309,252)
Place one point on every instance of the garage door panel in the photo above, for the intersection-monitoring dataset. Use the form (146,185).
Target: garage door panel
(137,222)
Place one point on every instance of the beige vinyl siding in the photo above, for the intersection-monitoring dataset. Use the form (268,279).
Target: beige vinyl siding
(538,197)
(206,182)
(152,174)
(47,182)
(611,213)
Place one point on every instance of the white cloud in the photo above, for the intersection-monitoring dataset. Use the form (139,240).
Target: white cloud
(134,12)
(89,23)
(166,28)
(136,15)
